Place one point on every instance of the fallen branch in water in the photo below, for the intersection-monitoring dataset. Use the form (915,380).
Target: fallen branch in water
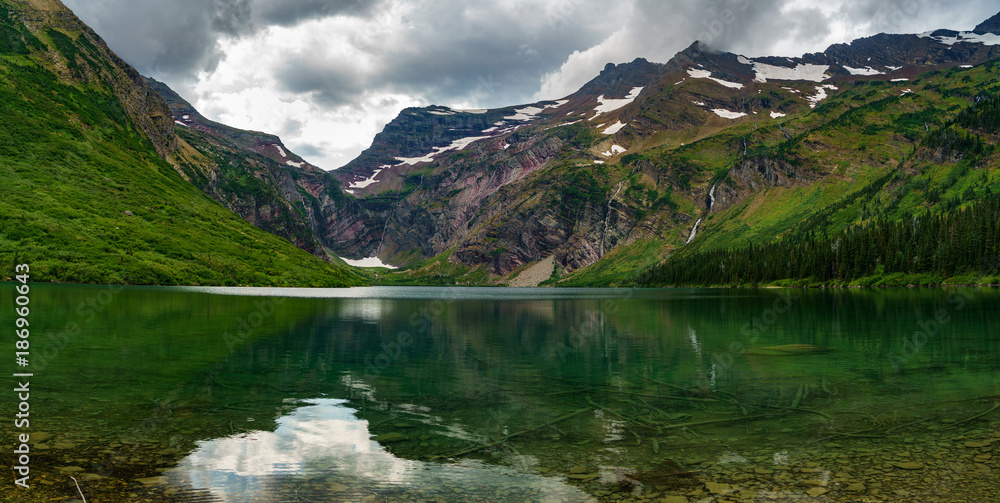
(84,498)
(512,435)
(644,478)
(716,421)
(620,416)
(996,406)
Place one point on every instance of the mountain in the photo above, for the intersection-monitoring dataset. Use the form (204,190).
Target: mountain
(91,195)
(648,161)
(252,174)
(650,174)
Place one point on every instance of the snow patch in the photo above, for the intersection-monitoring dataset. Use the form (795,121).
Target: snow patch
(524,114)
(893,68)
(705,74)
(615,150)
(280,150)
(906,91)
(899,80)
(610,105)
(371,180)
(490,130)
(726,114)
(558,104)
(699,103)
(967,37)
(820,95)
(598,162)
(863,71)
(765,72)
(458,144)
(614,128)
(465,142)
(435,112)
(965,66)
(775,115)
(186,117)
(367,263)
(180,123)
(472,110)
(295,164)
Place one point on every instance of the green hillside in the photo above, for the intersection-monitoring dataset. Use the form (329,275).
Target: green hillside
(894,184)
(87,198)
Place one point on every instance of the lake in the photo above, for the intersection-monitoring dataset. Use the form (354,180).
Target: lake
(489,394)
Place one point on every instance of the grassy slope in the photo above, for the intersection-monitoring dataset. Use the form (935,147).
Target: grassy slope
(862,136)
(865,143)
(72,164)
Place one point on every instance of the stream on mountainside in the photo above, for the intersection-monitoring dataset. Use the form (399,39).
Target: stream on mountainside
(494,394)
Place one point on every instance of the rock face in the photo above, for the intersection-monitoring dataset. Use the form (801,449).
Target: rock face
(250,173)
(755,174)
(991,25)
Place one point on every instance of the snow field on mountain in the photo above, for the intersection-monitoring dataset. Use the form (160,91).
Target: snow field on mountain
(705,74)
(863,71)
(369,262)
(615,150)
(965,36)
(610,105)
(814,73)
(614,128)
(726,114)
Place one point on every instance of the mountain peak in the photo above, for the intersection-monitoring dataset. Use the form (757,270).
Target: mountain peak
(991,25)
(619,80)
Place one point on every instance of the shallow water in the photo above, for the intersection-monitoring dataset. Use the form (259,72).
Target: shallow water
(487,394)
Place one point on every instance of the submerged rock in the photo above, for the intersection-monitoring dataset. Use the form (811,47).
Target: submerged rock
(789,350)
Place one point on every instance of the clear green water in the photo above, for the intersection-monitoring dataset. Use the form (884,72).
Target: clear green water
(428,394)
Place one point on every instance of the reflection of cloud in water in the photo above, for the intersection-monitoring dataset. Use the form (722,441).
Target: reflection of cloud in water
(325,439)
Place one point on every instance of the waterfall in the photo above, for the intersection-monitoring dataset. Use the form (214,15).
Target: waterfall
(607,216)
(694,232)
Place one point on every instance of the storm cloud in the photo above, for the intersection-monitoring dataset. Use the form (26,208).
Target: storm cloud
(328,74)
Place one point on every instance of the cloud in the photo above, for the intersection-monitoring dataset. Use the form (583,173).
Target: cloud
(292,12)
(162,39)
(328,74)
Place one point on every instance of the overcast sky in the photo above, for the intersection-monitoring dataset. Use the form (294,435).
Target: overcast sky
(327,75)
